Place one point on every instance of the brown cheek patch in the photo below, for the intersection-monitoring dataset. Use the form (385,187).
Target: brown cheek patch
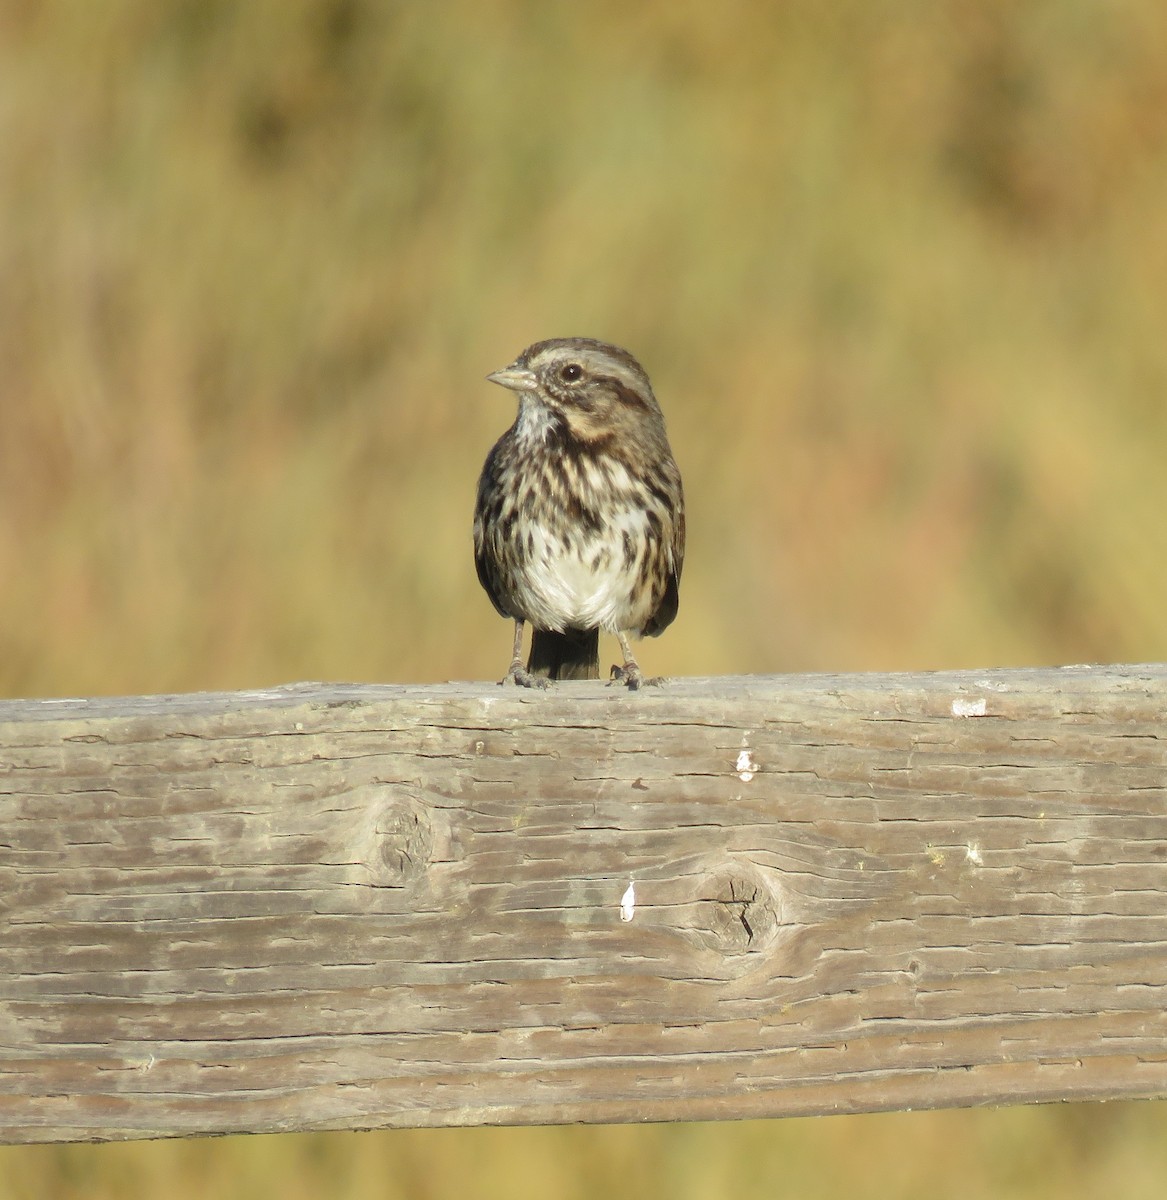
(625,395)
(591,431)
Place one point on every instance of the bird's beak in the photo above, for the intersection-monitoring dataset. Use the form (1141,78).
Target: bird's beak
(515,379)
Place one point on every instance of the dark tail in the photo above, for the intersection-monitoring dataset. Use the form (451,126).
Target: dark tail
(573,654)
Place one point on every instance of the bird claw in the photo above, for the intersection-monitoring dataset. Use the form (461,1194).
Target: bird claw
(631,676)
(521,677)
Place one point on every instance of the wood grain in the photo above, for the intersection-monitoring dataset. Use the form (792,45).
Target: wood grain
(351,907)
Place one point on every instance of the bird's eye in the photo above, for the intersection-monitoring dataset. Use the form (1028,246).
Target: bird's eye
(571,372)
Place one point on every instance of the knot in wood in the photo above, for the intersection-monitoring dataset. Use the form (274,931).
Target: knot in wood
(403,839)
(740,911)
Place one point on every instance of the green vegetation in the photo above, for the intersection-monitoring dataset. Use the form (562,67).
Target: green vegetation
(899,273)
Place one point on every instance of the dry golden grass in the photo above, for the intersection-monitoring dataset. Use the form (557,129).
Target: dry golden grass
(1039,1154)
(898,273)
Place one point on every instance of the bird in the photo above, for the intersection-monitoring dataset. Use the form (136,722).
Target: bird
(579,521)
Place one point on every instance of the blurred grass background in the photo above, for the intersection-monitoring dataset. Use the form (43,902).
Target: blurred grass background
(898,272)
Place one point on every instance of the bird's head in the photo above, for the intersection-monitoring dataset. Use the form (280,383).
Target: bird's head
(597,390)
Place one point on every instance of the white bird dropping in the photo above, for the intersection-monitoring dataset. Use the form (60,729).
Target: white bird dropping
(628,903)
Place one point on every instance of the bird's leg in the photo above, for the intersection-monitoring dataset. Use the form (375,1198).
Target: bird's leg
(517,673)
(630,673)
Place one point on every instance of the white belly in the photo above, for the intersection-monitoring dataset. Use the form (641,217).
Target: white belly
(587,585)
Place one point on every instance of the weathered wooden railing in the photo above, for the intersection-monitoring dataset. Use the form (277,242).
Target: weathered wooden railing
(347,907)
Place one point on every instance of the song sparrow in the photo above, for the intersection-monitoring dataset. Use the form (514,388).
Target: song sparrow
(580,519)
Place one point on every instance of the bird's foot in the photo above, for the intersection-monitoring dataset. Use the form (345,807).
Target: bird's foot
(521,677)
(633,678)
